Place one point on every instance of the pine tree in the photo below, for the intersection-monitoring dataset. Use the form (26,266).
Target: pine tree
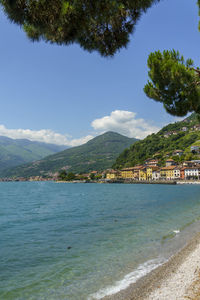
(101,25)
(174,82)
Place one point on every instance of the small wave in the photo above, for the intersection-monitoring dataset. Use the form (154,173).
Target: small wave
(130,278)
(170,235)
(189,223)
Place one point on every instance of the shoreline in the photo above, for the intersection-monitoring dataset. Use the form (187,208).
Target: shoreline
(176,279)
(150,182)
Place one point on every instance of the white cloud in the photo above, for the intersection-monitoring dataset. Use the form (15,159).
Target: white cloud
(83,140)
(126,123)
(43,135)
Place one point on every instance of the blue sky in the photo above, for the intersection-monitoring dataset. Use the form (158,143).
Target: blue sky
(50,92)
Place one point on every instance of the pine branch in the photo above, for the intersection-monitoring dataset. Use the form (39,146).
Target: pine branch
(196,70)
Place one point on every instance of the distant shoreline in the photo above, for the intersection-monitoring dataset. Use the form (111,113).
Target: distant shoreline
(170,182)
(167,182)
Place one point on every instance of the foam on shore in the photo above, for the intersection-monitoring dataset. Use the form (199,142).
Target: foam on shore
(129,279)
(170,281)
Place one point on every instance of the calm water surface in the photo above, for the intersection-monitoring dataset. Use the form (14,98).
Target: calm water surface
(83,241)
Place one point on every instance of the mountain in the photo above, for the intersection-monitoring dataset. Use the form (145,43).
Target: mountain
(97,154)
(177,136)
(14,152)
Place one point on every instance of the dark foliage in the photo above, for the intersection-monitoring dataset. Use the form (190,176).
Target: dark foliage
(174,82)
(103,25)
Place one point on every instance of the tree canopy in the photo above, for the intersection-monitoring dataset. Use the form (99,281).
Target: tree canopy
(174,82)
(104,26)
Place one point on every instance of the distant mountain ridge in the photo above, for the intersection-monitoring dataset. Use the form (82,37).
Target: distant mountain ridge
(14,152)
(97,154)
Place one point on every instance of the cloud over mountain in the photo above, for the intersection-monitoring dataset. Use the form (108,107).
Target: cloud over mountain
(43,135)
(126,123)
(121,121)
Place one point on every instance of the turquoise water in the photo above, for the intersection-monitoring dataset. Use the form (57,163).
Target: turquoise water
(83,241)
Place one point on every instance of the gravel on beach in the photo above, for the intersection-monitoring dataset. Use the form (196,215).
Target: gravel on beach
(177,279)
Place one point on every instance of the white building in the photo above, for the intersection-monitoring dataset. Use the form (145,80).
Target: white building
(178,153)
(170,162)
(192,173)
(195,149)
(155,174)
(151,162)
(177,173)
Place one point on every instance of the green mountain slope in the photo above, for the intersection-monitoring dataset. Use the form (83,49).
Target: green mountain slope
(97,154)
(15,152)
(161,145)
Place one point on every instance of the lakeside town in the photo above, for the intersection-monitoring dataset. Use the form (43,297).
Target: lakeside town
(150,171)
(163,167)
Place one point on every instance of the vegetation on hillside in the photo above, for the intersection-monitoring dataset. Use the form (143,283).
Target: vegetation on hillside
(97,154)
(161,147)
(14,152)
(63,176)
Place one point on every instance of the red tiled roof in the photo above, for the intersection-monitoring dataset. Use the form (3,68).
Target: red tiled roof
(128,169)
(168,168)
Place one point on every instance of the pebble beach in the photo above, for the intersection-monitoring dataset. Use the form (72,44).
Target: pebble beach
(177,279)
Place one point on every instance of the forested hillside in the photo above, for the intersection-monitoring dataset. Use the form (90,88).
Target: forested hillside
(14,152)
(177,136)
(97,154)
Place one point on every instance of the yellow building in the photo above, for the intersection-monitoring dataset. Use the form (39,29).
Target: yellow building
(127,173)
(131,172)
(112,174)
(167,172)
(149,171)
(143,173)
(137,172)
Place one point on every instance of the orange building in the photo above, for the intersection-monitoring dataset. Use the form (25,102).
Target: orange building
(183,173)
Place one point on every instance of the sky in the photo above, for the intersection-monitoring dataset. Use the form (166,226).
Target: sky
(65,95)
